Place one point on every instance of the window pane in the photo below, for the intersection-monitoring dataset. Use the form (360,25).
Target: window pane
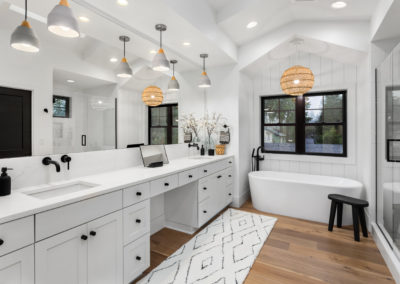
(174,135)
(333,101)
(175,116)
(288,104)
(280,138)
(271,117)
(313,116)
(324,139)
(313,102)
(333,115)
(271,104)
(155,120)
(159,116)
(60,107)
(158,136)
(287,117)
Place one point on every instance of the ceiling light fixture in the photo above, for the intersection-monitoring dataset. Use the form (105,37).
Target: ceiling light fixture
(173,85)
(24,38)
(70,81)
(84,19)
(123,2)
(252,24)
(160,61)
(205,81)
(124,70)
(153,51)
(339,5)
(113,59)
(62,22)
(152,96)
(186,43)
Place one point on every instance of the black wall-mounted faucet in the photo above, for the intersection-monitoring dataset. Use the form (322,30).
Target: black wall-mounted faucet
(194,145)
(66,159)
(47,161)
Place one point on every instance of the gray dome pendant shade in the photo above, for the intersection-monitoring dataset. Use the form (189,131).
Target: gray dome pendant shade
(205,81)
(62,22)
(24,38)
(173,85)
(160,61)
(124,70)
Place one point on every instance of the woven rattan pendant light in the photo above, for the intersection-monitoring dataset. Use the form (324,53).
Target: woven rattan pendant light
(297,80)
(152,96)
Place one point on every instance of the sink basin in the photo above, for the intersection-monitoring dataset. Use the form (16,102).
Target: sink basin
(200,158)
(52,191)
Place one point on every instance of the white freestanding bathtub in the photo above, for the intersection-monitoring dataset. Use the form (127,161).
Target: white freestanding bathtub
(300,195)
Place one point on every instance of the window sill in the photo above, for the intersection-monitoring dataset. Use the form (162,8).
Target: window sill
(310,158)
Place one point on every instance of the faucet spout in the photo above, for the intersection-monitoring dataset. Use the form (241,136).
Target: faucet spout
(48,161)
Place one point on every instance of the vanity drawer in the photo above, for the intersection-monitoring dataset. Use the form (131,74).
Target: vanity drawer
(204,190)
(16,234)
(208,169)
(163,184)
(63,218)
(188,176)
(136,221)
(136,258)
(136,194)
(204,213)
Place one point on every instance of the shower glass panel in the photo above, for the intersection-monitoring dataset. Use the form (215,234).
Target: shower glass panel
(388,149)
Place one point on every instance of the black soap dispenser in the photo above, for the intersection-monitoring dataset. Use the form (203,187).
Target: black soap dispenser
(5,182)
(202,150)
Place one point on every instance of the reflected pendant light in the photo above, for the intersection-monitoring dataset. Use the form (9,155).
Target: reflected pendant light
(205,81)
(124,70)
(152,96)
(160,61)
(297,80)
(24,38)
(62,22)
(173,85)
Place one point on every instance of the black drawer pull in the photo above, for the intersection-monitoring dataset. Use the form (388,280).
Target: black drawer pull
(138,193)
(166,184)
(138,258)
(219,176)
(230,176)
(205,188)
(1,242)
(190,176)
(205,171)
(93,233)
(138,221)
(84,237)
(230,194)
(230,162)
(204,211)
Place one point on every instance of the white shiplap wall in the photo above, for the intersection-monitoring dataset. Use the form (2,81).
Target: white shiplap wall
(329,75)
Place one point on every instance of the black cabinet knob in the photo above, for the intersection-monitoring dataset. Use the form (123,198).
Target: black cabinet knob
(93,233)
(230,194)
(138,258)
(205,188)
(219,176)
(166,184)
(138,221)
(205,171)
(204,211)
(230,176)
(84,237)
(230,162)
(190,176)
(1,242)
(138,193)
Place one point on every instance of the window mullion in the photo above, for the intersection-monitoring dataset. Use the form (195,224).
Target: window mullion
(300,125)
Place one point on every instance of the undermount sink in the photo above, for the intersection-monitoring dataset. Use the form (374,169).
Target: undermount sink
(52,191)
(200,158)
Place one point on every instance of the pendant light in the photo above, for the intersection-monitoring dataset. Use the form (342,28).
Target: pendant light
(23,38)
(205,81)
(297,80)
(124,70)
(152,96)
(62,22)
(160,61)
(173,85)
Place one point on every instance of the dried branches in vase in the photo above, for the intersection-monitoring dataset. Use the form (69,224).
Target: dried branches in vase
(211,124)
(190,124)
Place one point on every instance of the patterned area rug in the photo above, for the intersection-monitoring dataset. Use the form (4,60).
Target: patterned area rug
(222,253)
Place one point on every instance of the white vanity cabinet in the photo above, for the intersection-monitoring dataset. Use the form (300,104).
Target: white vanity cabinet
(18,267)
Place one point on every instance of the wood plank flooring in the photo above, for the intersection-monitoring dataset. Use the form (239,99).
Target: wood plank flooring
(298,251)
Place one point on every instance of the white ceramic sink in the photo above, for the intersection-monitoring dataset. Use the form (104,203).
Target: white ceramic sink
(200,158)
(52,191)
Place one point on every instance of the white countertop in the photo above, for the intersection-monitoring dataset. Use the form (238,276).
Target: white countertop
(19,205)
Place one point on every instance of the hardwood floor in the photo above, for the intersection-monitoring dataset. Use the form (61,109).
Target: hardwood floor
(298,251)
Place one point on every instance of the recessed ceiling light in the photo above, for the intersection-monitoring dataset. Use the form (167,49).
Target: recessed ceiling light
(339,5)
(186,43)
(153,51)
(122,2)
(84,19)
(113,59)
(70,81)
(252,24)
(100,102)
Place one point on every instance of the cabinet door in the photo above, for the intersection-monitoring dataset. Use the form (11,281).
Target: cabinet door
(105,251)
(17,267)
(62,259)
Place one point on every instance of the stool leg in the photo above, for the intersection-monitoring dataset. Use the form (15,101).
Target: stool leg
(362,221)
(332,216)
(339,215)
(356,224)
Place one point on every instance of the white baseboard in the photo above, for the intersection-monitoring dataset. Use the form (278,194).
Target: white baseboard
(180,227)
(239,201)
(390,258)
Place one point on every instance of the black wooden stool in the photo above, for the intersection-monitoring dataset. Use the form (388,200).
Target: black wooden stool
(357,205)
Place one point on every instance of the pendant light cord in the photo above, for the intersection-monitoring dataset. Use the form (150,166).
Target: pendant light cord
(173,69)
(204,64)
(124,46)
(26,10)
(160,39)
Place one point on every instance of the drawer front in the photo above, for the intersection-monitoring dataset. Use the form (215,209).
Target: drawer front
(136,221)
(136,258)
(205,213)
(229,162)
(204,190)
(63,218)
(18,267)
(188,176)
(136,194)
(16,234)
(163,184)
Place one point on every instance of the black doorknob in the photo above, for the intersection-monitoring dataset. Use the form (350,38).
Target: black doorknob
(138,258)
(138,193)
(93,233)
(138,221)
(84,237)
(1,242)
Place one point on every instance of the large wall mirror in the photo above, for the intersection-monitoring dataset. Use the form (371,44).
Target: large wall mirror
(66,98)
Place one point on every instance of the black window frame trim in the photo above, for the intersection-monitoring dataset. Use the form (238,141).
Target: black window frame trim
(300,124)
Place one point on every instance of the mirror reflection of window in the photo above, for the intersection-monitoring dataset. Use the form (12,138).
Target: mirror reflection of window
(163,124)
(61,106)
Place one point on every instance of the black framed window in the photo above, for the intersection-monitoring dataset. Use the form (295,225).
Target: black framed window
(61,106)
(313,124)
(163,124)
